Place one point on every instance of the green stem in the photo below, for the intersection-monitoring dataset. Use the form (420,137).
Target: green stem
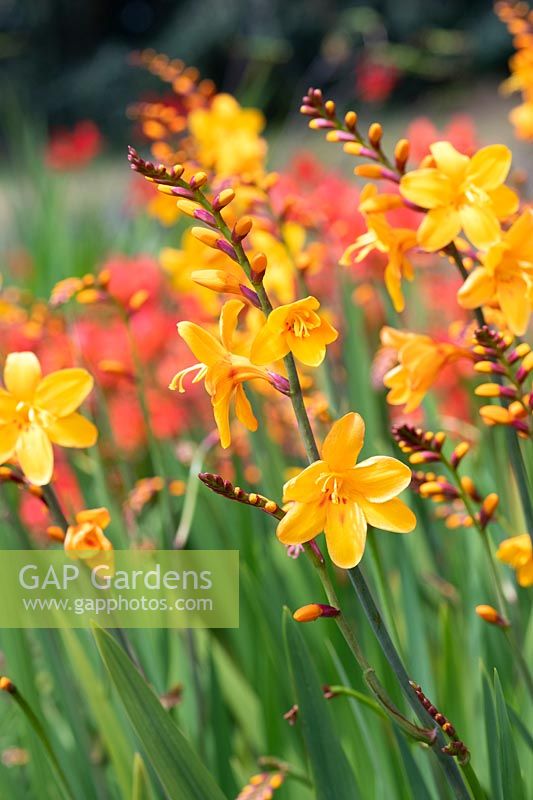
(287,769)
(478,793)
(40,731)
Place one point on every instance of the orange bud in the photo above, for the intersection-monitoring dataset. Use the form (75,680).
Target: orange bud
(56,533)
(204,235)
(352,148)
(517,410)
(242,228)
(259,265)
(198,179)
(188,206)
(401,153)
(459,453)
(484,366)
(368,171)
(375,134)
(487,390)
(490,615)
(313,611)
(88,296)
(350,120)
(495,415)
(6,685)
(138,299)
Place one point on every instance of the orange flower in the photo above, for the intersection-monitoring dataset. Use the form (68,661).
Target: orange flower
(341,497)
(518,553)
(86,539)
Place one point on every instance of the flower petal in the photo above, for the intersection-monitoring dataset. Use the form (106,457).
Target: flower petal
(35,455)
(63,391)
(480,225)
(515,303)
(449,160)
(221,414)
(302,522)
(478,289)
(345,531)
(268,346)
(98,516)
(9,435)
(304,487)
(380,478)
(490,166)
(344,441)
(22,373)
(427,188)
(243,409)
(394,515)
(229,316)
(504,201)
(439,227)
(203,345)
(8,404)
(72,431)
(310,350)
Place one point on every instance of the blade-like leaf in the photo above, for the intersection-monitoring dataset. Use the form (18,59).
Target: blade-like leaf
(178,767)
(491,738)
(511,776)
(333,777)
(141,789)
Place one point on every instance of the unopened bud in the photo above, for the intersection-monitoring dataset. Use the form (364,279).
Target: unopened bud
(197,180)
(56,533)
(401,153)
(490,615)
(488,509)
(487,367)
(350,120)
(7,685)
(329,107)
(242,228)
(210,238)
(223,199)
(459,453)
(259,265)
(375,134)
(314,611)
(369,171)
(423,457)
(495,415)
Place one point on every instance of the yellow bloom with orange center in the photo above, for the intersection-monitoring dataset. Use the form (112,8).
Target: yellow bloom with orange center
(86,539)
(506,275)
(296,328)
(394,242)
(518,553)
(37,411)
(420,360)
(461,193)
(340,497)
(227,137)
(222,369)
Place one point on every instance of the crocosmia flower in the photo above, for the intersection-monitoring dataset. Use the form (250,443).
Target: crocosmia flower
(37,411)
(340,497)
(297,328)
(461,193)
(86,539)
(518,553)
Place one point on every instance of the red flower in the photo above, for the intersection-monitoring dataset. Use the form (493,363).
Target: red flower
(72,149)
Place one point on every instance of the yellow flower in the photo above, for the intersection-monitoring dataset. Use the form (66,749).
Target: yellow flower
(505,275)
(86,539)
(295,327)
(420,360)
(227,137)
(36,412)
(461,193)
(381,236)
(340,497)
(223,370)
(518,553)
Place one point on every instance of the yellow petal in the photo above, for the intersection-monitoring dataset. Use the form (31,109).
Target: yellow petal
(344,441)
(268,346)
(302,522)
(439,227)
(480,225)
(504,201)
(203,345)
(98,516)
(449,160)
(243,409)
(8,403)
(305,486)
(393,516)
(515,304)
(519,237)
(229,316)
(345,531)
(72,431)
(35,455)
(307,349)
(63,391)
(524,574)
(490,166)
(380,478)
(427,188)
(477,289)
(393,283)
(22,373)
(9,435)
(221,414)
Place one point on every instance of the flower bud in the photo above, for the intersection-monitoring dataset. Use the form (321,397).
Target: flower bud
(401,153)
(490,615)
(350,120)
(459,453)
(313,611)
(223,199)
(488,509)
(375,134)
(242,228)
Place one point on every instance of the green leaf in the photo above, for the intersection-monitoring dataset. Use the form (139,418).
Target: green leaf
(141,789)
(511,776)
(178,767)
(493,750)
(333,776)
